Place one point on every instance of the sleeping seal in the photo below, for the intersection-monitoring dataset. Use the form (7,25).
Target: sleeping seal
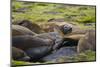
(18,54)
(20,30)
(32,26)
(35,47)
(88,42)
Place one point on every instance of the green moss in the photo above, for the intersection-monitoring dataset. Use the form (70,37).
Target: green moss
(20,63)
(36,12)
(86,19)
(16,63)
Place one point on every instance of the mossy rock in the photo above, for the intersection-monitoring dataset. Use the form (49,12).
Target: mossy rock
(87,56)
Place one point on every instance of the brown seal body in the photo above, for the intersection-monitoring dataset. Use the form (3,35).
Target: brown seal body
(88,42)
(28,41)
(32,26)
(34,46)
(18,54)
(20,30)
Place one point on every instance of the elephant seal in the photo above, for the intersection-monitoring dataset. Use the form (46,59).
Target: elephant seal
(32,26)
(36,53)
(57,36)
(62,52)
(88,42)
(49,27)
(28,41)
(46,39)
(18,54)
(20,30)
(35,47)
(39,45)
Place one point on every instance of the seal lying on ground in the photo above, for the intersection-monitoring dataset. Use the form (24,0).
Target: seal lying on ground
(28,41)
(32,26)
(84,40)
(20,30)
(39,45)
(49,27)
(18,54)
(34,47)
(56,36)
(88,42)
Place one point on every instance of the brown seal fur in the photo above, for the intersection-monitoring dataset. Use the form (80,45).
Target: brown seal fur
(20,30)
(18,54)
(32,26)
(88,42)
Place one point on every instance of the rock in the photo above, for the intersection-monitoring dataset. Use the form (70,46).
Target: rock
(21,10)
(70,42)
(20,30)
(52,12)
(18,54)
(89,24)
(56,20)
(32,26)
(88,42)
(64,51)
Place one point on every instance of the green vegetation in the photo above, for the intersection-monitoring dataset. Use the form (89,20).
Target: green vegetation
(19,63)
(42,12)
